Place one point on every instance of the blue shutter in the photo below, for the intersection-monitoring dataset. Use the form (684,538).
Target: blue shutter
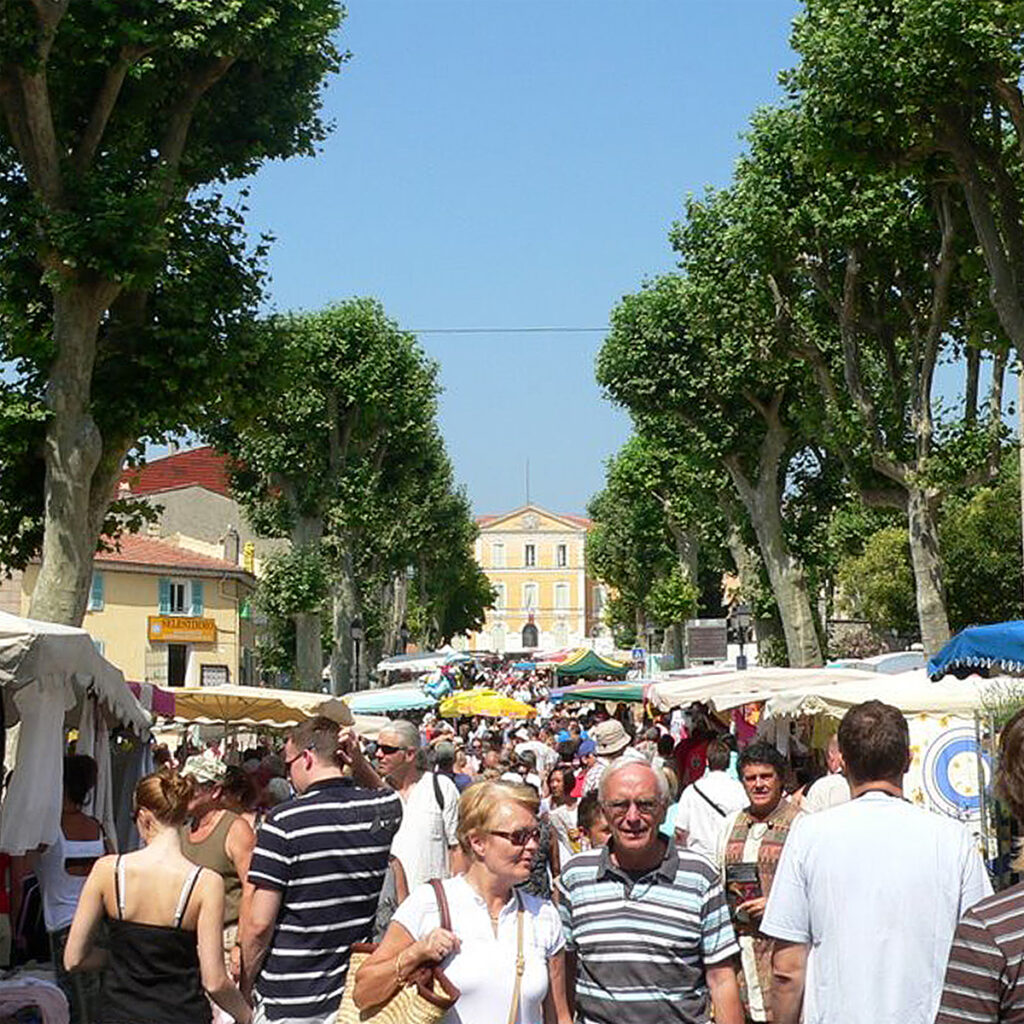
(96,593)
(197,598)
(165,597)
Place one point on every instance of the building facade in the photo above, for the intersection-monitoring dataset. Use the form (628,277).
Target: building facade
(536,561)
(167,615)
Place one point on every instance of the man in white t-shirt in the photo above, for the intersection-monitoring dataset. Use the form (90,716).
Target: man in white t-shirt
(705,804)
(830,790)
(866,897)
(426,843)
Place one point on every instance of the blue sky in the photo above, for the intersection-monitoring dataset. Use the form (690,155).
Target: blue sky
(513,164)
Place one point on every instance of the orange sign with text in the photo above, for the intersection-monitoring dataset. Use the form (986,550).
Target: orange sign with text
(180,629)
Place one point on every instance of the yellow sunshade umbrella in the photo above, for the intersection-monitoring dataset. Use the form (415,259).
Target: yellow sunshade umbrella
(255,705)
(488,705)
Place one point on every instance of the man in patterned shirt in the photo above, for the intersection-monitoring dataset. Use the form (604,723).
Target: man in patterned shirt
(647,926)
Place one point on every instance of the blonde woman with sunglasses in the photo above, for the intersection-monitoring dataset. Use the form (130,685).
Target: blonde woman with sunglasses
(498,836)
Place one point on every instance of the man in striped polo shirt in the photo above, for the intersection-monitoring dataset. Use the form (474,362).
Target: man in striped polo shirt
(318,868)
(647,926)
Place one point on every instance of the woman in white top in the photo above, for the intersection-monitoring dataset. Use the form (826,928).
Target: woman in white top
(498,835)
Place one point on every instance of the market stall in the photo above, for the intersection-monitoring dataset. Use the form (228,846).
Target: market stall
(998,646)
(486,703)
(631,692)
(585,663)
(255,706)
(422,661)
(54,679)
(724,690)
(389,700)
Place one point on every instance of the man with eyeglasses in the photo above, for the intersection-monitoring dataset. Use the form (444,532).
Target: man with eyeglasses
(317,868)
(647,926)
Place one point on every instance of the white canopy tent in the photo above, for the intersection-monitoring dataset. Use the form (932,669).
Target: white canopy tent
(912,692)
(54,678)
(423,661)
(727,690)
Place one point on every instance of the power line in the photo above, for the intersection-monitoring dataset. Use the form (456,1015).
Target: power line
(509,330)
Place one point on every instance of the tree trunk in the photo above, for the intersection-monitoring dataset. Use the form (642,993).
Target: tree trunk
(309,652)
(72,453)
(345,607)
(762,501)
(786,575)
(924,557)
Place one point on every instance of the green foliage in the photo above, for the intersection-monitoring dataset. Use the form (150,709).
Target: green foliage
(673,598)
(981,551)
(296,580)
(879,582)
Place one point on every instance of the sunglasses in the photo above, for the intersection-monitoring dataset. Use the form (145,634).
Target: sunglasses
(519,837)
(288,764)
(386,748)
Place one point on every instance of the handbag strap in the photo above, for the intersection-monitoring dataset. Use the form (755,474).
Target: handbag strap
(442,904)
(513,1013)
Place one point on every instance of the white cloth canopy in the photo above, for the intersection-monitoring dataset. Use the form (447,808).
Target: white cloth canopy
(912,692)
(33,650)
(422,662)
(49,673)
(726,690)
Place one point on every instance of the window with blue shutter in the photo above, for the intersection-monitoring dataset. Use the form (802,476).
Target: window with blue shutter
(100,646)
(165,597)
(197,598)
(96,593)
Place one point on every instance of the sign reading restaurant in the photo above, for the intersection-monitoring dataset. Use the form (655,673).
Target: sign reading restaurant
(180,629)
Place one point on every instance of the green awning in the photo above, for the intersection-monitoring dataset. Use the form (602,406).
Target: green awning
(588,664)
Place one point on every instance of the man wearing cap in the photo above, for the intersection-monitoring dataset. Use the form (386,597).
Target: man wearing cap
(611,741)
(222,841)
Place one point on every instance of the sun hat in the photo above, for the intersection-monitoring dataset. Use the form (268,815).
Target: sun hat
(610,737)
(205,769)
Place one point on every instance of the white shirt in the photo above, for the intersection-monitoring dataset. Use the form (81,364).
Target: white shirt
(699,819)
(422,840)
(876,887)
(484,969)
(830,791)
(546,757)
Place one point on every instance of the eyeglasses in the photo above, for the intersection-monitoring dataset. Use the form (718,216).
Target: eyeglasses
(386,748)
(288,764)
(620,808)
(518,837)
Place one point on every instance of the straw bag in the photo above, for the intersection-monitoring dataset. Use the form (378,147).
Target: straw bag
(424,999)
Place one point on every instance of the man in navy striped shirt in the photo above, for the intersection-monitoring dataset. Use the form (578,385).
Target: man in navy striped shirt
(318,868)
(647,925)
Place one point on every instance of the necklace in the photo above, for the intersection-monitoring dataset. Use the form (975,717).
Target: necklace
(494,917)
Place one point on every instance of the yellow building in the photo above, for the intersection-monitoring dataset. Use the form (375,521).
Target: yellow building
(536,561)
(167,615)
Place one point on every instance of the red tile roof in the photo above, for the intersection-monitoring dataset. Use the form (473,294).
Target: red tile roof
(145,552)
(198,467)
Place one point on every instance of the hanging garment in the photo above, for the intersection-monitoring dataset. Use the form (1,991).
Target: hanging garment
(31,812)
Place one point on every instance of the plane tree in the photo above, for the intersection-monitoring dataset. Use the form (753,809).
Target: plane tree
(125,280)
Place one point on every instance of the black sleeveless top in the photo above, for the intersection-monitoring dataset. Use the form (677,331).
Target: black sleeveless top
(153,971)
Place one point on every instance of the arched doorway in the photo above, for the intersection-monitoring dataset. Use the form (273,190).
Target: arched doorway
(530,635)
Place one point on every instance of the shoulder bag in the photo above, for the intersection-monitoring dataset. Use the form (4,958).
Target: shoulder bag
(425,998)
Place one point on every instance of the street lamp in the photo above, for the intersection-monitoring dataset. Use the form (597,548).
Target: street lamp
(649,628)
(741,621)
(403,635)
(355,631)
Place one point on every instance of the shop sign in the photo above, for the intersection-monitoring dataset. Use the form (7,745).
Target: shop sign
(181,629)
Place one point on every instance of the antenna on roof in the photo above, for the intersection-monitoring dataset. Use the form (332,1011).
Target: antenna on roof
(527,481)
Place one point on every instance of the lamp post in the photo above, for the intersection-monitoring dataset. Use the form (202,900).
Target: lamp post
(741,620)
(649,628)
(355,631)
(403,636)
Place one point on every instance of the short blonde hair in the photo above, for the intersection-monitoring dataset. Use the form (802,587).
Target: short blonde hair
(479,804)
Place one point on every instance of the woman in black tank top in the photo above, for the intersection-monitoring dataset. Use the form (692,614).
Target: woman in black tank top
(165,917)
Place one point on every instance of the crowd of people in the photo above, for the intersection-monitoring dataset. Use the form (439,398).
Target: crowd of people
(592,868)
